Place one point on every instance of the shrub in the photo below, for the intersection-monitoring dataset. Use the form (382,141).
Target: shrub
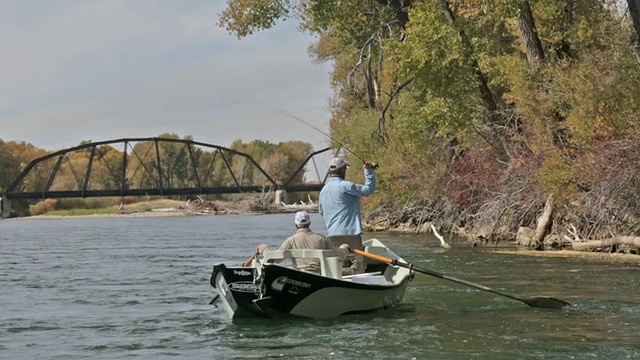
(42,207)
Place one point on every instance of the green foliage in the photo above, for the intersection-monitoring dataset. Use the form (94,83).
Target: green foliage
(244,17)
(9,166)
(88,203)
(556,176)
(82,212)
(278,160)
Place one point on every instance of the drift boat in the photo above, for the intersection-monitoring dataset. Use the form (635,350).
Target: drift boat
(271,287)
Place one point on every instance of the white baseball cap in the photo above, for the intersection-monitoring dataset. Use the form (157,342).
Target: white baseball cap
(337,163)
(302,218)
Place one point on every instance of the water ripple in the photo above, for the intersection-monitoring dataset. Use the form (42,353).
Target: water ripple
(116,288)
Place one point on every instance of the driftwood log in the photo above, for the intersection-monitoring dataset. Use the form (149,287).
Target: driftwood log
(618,240)
(544,221)
(440,237)
(534,238)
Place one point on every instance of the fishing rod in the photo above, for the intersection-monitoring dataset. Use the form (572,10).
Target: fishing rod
(373,165)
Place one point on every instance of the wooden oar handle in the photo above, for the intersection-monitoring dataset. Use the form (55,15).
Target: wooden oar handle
(373,256)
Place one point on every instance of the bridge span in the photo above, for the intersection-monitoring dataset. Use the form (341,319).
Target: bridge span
(159,166)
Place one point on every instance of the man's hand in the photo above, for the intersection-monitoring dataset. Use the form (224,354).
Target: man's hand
(260,249)
(345,247)
(370,165)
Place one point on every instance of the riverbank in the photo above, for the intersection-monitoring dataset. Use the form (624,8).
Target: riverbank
(171,208)
(429,218)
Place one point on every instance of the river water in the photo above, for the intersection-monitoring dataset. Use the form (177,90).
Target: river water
(139,287)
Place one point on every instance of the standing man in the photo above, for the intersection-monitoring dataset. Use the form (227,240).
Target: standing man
(339,203)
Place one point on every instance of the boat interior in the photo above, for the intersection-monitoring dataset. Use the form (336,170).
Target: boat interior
(354,269)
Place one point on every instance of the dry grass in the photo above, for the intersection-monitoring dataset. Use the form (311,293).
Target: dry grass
(154,204)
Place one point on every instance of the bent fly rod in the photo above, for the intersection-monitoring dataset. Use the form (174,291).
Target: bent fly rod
(373,165)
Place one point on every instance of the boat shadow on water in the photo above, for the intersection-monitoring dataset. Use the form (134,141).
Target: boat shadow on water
(397,312)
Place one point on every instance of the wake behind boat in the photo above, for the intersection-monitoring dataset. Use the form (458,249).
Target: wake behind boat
(269,287)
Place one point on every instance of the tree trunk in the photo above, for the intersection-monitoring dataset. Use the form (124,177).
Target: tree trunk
(634,13)
(527,26)
(370,78)
(544,221)
(398,6)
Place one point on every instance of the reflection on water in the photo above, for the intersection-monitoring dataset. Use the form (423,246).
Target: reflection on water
(110,288)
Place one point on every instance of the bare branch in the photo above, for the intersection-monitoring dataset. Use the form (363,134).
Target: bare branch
(382,133)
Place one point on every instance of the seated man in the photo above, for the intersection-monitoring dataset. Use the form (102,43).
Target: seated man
(304,238)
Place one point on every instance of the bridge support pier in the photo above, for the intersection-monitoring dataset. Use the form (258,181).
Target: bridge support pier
(281,197)
(5,207)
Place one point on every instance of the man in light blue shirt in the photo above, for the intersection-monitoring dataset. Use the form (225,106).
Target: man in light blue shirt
(339,203)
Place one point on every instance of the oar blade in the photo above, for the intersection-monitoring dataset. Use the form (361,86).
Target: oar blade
(545,302)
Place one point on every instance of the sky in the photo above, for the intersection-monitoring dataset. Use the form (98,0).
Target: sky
(110,69)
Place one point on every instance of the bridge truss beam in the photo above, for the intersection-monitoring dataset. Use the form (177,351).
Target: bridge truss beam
(147,167)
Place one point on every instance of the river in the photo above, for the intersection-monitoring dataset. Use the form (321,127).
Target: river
(139,287)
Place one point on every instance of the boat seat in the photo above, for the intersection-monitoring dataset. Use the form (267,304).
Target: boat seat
(354,241)
(353,264)
(348,277)
(374,278)
(373,265)
(330,264)
(370,280)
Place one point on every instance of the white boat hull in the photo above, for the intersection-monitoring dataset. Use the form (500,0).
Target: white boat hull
(270,289)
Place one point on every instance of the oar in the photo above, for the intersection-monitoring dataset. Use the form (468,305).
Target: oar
(537,301)
(214,300)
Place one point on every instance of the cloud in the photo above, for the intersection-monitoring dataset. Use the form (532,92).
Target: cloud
(102,70)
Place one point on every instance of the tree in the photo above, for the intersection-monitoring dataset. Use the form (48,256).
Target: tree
(10,165)
(480,104)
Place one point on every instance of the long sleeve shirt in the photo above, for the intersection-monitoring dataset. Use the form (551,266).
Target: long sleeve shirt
(339,203)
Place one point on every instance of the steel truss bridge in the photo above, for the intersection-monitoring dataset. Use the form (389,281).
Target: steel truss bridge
(153,166)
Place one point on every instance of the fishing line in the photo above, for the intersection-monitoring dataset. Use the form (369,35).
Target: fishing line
(373,165)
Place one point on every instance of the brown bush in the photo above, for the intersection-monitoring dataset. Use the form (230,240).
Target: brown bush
(128,200)
(42,207)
